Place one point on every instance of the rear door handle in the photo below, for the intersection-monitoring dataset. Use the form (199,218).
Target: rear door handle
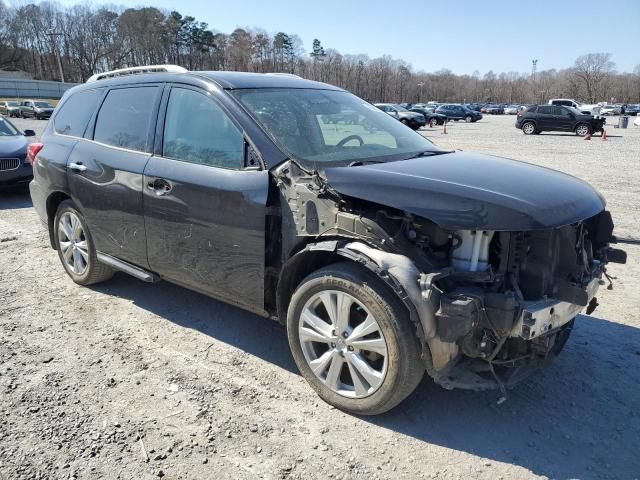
(160,186)
(77,167)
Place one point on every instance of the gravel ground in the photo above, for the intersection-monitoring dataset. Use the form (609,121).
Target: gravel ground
(128,380)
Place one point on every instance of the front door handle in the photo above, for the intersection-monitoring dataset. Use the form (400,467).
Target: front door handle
(77,167)
(160,186)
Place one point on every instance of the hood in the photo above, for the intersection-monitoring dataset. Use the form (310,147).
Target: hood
(13,146)
(465,191)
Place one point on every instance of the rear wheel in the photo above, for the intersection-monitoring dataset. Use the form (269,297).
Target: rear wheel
(352,340)
(404,121)
(528,128)
(433,122)
(75,247)
(468,119)
(583,129)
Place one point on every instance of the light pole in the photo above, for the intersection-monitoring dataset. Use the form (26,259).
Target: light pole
(421,84)
(52,35)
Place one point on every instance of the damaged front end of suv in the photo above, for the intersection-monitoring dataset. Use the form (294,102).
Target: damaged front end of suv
(492,258)
(388,256)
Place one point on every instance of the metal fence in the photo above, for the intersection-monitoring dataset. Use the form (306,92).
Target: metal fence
(21,88)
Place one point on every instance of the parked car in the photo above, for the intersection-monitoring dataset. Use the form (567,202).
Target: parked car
(411,119)
(384,255)
(37,109)
(9,108)
(632,109)
(610,110)
(432,118)
(494,109)
(512,109)
(458,112)
(474,106)
(14,167)
(557,118)
(567,102)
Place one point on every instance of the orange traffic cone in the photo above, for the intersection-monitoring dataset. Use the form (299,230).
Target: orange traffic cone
(445,127)
(587,136)
(604,135)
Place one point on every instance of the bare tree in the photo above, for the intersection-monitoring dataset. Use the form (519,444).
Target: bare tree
(592,70)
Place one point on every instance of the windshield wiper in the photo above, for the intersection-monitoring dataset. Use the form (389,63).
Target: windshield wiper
(357,163)
(429,153)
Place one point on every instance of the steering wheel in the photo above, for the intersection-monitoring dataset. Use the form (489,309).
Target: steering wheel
(345,140)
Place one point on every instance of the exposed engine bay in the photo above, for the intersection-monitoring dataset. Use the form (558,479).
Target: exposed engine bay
(488,304)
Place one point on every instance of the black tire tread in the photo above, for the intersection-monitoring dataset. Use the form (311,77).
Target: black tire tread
(411,366)
(98,272)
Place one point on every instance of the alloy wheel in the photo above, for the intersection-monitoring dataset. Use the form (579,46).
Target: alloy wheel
(528,128)
(343,344)
(582,130)
(72,242)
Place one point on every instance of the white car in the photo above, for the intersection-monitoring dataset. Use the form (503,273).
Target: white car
(610,110)
(511,109)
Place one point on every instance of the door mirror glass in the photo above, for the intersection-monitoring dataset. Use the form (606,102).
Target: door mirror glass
(29,133)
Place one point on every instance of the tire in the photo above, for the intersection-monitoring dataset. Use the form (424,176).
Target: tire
(404,121)
(529,128)
(396,362)
(468,119)
(433,122)
(83,252)
(583,129)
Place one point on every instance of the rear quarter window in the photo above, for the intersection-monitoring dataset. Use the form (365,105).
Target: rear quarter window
(74,114)
(124,119)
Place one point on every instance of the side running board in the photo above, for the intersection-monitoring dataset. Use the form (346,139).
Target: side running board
(139,273)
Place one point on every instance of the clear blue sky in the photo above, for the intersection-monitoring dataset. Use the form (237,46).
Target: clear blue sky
(463,36)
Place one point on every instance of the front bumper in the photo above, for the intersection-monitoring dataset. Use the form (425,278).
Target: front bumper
(22,174)
(542,316)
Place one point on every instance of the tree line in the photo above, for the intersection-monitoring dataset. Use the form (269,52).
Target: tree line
(52,42)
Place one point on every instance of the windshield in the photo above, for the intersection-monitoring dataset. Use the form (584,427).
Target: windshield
(6,129)
(13,104)
(43,105)
(400,109)
(574,110)
(329,128)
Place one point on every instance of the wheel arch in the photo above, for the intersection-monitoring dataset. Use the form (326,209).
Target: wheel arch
(316,255)
(53,202)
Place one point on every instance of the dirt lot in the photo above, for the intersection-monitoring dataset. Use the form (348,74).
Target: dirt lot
(128,380)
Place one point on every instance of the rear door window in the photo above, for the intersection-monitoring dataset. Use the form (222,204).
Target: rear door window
(74,115)
(546,110)
(125,118)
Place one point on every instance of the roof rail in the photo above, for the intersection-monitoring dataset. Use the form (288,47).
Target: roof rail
(135,70)
(280,74)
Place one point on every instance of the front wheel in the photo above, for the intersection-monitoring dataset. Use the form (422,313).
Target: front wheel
(583,129)
(529,128)
(433,122)
(353,340)
(468,119)
(75,247)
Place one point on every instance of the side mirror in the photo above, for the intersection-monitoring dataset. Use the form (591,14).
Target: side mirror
(29,133)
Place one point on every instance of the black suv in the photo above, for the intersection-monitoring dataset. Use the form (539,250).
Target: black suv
(384,255)
(557,118)
(411,119)
(458,112)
